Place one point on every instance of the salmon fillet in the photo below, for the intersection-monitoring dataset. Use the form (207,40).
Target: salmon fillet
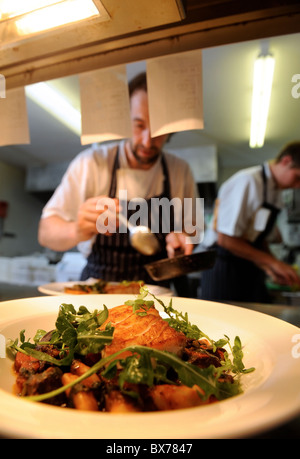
(147,330)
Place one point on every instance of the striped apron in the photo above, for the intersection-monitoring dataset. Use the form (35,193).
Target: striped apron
(235,279)
(112,258)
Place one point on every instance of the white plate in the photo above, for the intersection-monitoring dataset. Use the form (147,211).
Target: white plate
(271,393)
(58,288)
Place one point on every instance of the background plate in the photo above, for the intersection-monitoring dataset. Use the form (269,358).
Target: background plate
(57,288)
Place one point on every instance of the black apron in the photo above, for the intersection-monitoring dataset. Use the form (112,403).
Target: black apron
(235,279)
(112,257)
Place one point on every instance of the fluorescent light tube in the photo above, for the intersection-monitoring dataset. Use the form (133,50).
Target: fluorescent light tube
(56,15)
(55,104)
(12,8)
(262,88)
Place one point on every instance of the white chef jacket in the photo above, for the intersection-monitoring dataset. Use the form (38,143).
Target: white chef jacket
(89,175)
(238,202)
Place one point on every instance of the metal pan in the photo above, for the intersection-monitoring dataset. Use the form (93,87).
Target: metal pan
(180,265)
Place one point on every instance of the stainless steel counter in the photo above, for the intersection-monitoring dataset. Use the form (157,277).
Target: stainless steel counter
(15,291)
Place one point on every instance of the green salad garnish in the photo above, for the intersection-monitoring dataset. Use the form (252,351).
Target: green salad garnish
(77,334)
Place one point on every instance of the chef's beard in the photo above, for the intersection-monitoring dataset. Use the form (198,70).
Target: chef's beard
(148,160)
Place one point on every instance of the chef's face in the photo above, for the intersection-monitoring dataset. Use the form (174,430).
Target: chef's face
(290,175)
(145,149)
(293,178)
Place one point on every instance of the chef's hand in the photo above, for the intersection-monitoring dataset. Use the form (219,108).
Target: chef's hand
(282,273)
(97,215)
(178,242)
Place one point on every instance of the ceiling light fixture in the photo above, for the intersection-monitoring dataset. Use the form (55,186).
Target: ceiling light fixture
(262,88)
(22,19)
(55,104)
(12,8)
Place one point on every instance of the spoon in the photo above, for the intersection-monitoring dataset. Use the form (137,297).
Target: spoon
(141,238)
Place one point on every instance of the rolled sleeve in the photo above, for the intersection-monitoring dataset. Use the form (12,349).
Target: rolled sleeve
(86,176)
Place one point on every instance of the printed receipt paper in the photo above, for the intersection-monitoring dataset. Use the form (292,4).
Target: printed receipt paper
(105,108)
(14,127)
(175,92)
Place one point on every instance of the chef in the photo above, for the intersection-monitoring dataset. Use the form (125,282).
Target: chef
(136,168)
(244,215)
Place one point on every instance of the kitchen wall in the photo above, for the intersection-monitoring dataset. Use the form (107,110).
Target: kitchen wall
(23,213)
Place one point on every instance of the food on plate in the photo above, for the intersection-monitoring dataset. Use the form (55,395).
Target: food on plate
(126,359)
(150,329)
(102,286)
